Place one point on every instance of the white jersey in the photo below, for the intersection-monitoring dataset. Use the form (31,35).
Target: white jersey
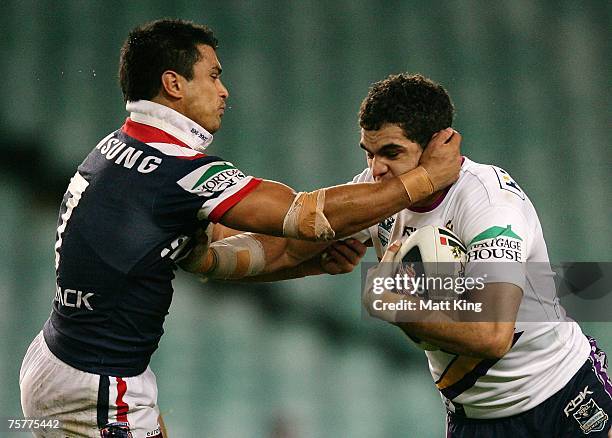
(488,210)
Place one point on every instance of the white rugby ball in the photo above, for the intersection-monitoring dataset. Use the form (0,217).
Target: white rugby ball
(432,252)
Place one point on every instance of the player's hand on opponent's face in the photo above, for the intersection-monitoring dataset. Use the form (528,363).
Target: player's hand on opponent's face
(442,158)
(342,256)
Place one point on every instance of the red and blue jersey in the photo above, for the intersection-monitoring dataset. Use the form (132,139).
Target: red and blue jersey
(127,214)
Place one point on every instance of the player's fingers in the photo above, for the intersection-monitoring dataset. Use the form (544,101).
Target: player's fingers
(339,257)
(441,137)
(343,262)
(351,254)
(385,268)
(358,247)
(329,264)
(391,251)
(454,139)
(341,253)
(454,144)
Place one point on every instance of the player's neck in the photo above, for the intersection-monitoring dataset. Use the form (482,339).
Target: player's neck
(431,199)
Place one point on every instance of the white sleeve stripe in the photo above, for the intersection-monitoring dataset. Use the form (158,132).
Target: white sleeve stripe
(174,150)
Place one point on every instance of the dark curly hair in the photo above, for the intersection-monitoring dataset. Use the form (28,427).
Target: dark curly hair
(158,46)
(417,104)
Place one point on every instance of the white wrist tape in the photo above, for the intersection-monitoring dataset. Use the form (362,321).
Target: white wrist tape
(306,219)
(237,257)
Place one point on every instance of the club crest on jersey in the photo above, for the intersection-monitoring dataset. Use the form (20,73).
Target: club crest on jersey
(211,178)
(384,230)
(591,417)
(507,183)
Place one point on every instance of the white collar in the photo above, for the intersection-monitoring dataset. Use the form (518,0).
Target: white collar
(170,121)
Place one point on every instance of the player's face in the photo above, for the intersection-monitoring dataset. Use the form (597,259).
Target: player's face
(205,94)
(389,152)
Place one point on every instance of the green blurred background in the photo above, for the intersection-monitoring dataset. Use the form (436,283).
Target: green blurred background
(532,86)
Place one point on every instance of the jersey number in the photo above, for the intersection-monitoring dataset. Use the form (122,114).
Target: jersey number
(73,195)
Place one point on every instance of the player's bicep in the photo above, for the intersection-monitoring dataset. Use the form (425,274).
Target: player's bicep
(261,211)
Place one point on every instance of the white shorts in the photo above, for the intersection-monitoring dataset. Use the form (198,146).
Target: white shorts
(83,402)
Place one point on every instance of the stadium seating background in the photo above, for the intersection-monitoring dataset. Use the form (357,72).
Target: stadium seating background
(531,84)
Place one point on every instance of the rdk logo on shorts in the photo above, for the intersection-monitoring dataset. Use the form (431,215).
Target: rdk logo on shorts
(576,401)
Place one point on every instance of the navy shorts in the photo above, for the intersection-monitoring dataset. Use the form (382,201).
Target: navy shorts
(582,408)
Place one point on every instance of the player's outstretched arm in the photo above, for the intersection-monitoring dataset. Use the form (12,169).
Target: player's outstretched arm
(273,209)
(340,211)
(340,257)
(281,258)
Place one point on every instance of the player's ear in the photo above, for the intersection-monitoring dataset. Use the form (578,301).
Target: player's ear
(172,84)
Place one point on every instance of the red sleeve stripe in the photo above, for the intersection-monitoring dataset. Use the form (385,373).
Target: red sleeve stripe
(228,203)
(193,157)
(150,134)
(122,406)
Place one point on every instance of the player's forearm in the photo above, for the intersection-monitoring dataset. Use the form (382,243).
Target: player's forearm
(352,208)
(304,269)
(325,214)
(287,258)
(280,253)
(336,212)
(448,330)
(474,339)
(255,256)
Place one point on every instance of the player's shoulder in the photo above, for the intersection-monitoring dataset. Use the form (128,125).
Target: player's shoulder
(364,176)
(195,168)
(175,153)
(495,184)
(174,156)
(209,173)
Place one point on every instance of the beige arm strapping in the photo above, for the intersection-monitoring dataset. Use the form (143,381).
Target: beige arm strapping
(417,183)
(236,257)
(306,219)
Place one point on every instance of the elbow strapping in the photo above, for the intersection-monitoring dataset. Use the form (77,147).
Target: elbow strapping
(306,219)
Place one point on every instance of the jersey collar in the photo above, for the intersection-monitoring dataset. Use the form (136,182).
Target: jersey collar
(440,198)
(170,121)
